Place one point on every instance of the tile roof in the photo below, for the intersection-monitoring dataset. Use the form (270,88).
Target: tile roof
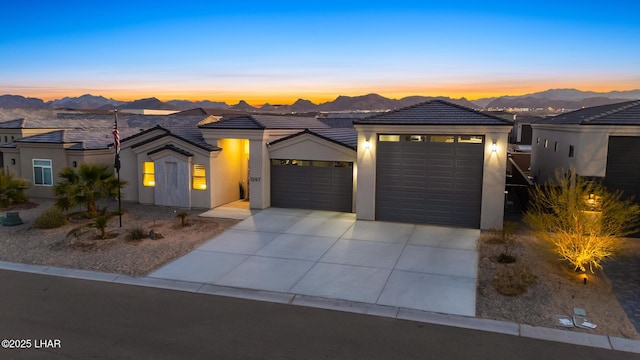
(258,122)
(235,122)
(623,113)
(190,135)
(93,131)
(340,136)
(338,122)
(82,139)
(172,148)
(434,112)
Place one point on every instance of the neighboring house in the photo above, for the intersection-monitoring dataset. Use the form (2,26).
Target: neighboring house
(46,142)
(600,142)
(432,163)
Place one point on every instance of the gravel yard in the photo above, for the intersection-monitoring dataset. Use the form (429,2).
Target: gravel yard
(556,291)
(117,254)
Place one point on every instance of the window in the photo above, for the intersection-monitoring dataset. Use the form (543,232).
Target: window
(538,141)
(546,143)
(414,138)
(441,138)
(199,177)
(471,139)
(570,150)
(148,174)
(555,147)
(42,174)
(389,138)
(5,139)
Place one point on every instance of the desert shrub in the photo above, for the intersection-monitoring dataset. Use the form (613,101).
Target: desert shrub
(99,222)
(50,219)
(507,237)
(513,280)
(581,219)
(183,218)
(11,189)
(137,233)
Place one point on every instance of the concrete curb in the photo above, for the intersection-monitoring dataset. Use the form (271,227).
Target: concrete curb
(503,327)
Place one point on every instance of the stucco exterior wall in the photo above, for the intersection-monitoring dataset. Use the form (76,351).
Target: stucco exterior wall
(53,152)
(132,160)
(494,169)
(310,147)
(9,154)
(228,170)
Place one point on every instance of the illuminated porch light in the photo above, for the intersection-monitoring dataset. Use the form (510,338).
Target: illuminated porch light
(366,145)
(494,147)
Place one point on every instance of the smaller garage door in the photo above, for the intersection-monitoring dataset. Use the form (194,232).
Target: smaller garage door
(311,184)
(623,172)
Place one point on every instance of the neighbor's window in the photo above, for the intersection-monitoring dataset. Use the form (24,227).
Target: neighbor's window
(199,177)
(538,141)
(546,143)
(555,147)
(42,174)
(570,150)
(148,174)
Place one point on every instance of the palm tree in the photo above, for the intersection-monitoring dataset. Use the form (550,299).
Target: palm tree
(11,189)
(90,183)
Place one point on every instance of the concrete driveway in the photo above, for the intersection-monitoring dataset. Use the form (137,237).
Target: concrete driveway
(333,255)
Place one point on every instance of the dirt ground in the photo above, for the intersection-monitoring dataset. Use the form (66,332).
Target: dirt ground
(557,289)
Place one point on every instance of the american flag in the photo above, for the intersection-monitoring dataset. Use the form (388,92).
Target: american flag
(116,139)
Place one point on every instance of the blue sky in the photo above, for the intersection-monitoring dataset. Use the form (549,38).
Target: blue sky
(279,51)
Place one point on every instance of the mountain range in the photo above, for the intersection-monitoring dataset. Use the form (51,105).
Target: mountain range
(553,98)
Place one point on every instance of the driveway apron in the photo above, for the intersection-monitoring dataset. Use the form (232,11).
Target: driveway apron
(333,255)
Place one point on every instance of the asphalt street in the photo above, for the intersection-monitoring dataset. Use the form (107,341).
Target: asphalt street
(47,317)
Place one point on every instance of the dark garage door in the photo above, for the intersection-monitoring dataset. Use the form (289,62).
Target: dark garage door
(306,184)
(430,179)
(623,172)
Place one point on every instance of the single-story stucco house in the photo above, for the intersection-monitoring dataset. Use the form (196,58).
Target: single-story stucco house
(432,163)
(600,142)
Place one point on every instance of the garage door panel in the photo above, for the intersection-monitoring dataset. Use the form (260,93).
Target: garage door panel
(446,190)
(320,187)
(623,172)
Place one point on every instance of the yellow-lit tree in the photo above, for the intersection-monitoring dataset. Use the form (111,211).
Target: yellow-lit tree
(581,219)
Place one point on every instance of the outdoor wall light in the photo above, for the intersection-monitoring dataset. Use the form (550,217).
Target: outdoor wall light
(494,147)
(366,145)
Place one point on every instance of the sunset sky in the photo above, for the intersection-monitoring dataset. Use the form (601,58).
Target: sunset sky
(279,51)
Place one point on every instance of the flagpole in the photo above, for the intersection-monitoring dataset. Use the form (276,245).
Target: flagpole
(117,166)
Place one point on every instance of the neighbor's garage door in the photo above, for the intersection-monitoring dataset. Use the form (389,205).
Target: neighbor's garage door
(430,179)
(623,172)
(306,184)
